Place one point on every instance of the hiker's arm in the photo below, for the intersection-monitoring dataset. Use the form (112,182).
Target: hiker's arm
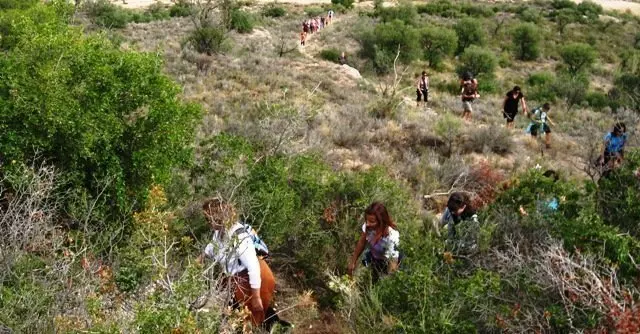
(426,82)
(392,252)
(393,266)
(248,258)
(524,106)
(550,120)
(504,103)
(357,252)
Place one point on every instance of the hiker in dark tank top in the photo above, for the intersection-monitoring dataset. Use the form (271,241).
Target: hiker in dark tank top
(510,105)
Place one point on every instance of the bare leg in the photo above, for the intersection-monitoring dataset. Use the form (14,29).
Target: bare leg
(547,140)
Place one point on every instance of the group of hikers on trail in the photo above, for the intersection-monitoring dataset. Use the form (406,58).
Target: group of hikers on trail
(313,25)
(539,116)
(243,255)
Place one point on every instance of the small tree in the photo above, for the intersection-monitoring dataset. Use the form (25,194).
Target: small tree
(578,57)
(564,17)
(438,43)
(478,61)
(470,32)
(381,44)
(590,9)
(526,40)
(573,89)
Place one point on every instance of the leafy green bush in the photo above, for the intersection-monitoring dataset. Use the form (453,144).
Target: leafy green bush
(470,32)
(532,15)
(17,4)
(597,100)
(476,10)
(573,89)
(106,14)
(578,57)
(438,43)
(208,39)
(542,87)
(590,9)
(564,17)
(347,4)
(182,8)
(108,119)
(562,4)
(332,55)
(381,44)
(626,91)
(617,197)
(313,11)
(443,8)
(478,61)
(274,11)
(526,40)
(405,12)
(242,21)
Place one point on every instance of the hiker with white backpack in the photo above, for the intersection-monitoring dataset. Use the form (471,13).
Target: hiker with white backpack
(241,254)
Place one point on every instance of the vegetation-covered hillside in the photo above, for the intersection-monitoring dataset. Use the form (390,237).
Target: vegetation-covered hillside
(117,124)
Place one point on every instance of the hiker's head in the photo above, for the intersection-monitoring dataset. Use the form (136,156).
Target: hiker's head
(619,129)
(457,203)
(546,107)
(516,90)
(424,73)
(218,213)
(377,219)
(466,76)
(552,174)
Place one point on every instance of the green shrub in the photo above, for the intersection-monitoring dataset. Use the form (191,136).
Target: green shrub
(532,15)
(564,17)
(590,9)
(17,4)
(597,100)
(106,14)
(347,4)
(443,8)
(470,32)
(381,44)
(573,89)
(274,11)
(314,11)
(208,39)
(242,21)
(405,12)
(626,90)
(473,10)
(478,61)
(562,4)
(110,120)
(578,57)
(182,8)
(542,87)
(332,55)
(438,43)
(526,40)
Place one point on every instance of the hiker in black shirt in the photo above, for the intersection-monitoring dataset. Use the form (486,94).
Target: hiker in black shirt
(422,89)
(510,105)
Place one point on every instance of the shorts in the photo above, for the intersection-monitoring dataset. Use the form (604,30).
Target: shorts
(467,106)
(424,93)
(545,128)
(509,115)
